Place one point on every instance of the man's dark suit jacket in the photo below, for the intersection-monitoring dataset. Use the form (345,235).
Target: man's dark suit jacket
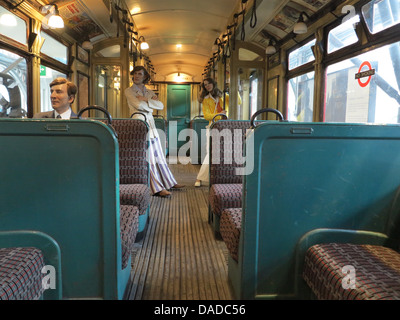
(51,114)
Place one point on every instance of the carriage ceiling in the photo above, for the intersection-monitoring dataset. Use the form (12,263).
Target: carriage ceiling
(195,24)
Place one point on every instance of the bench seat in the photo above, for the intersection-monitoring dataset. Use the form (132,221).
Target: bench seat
(137,195)
(230,227)
(20,273)
(129,224)
(223,196)
(377,271)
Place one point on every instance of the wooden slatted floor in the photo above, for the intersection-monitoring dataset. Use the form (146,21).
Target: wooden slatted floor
(179,257)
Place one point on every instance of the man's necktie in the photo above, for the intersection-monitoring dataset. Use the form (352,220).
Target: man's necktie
(58,117)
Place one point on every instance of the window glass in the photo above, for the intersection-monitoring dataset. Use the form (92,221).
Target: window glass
(13,85)
(54,48)
(301,97)
(253,95)
(343,35)
(12,26)
(381,14)
(301,55)
(47,75)
(365,88)
(107,87)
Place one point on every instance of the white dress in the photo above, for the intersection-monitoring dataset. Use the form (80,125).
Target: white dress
(161,176)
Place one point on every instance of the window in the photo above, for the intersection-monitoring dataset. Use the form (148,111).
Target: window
(12,26)
(301,55)
(253,95)
(343,35)
(54,48)
(381,14)
(47,75)
(301,97)
(374,97)
(13,85)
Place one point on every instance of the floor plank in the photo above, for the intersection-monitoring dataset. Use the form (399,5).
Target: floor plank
(179,258)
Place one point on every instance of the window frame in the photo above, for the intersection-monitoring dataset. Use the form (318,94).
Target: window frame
(367,42)
(298,71)
(53,63)
(21,50)
(9,41)
(305,68)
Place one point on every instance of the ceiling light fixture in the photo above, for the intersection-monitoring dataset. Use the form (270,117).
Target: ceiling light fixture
(179,78)
(55,20)
(143,44)
(270,49)
(272,42)
(87,45)
(300,27)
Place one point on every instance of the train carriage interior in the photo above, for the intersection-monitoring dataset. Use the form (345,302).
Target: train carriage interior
(299,191)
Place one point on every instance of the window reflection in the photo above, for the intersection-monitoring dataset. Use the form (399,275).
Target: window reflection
(381,14)
(301,55)
(54,48)
(372,98)
(12,26)
(47,75)
(107,87)
(301,97)
(13,85)
(343,35)
(249,98)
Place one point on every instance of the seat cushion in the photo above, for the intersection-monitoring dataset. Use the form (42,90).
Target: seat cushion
(129,224)
(223,196)
(137,195)
(230,226)
(21,273)
(376,270)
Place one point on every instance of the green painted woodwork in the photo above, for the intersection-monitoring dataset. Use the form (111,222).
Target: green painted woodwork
(178,116)
(61,177)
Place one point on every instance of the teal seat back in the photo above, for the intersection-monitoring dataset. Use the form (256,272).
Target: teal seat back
(312,176)
(199,142)
(61,177)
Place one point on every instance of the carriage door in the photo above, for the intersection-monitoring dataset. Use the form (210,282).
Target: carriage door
(178,115)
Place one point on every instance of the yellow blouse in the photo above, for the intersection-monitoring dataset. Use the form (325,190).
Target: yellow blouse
(211,107)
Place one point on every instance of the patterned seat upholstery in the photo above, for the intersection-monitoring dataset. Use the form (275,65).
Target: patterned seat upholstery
(225,182)
(376,270)
(133,165)
(129,223)
(136,195)
(132,141)
(230,226)
(223,196)
(230,150)
(21,273)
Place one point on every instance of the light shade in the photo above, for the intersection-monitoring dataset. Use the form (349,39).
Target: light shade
(144,45)
(56,21)
(87,45)
(270,49)
(300,27)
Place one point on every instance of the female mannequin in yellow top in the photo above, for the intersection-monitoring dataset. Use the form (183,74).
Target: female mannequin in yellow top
(212,100)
